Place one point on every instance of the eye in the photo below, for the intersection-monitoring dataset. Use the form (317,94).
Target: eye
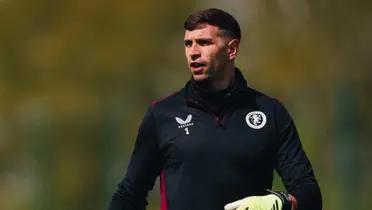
(188,43)
(204,42)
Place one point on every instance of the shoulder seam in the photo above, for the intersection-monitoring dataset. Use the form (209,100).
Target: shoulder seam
(156,101)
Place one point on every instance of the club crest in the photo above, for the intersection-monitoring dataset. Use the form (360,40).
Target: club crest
(256,119)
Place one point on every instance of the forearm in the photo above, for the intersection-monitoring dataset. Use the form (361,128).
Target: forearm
(294,166)
(144,166)
(308,196)
(121,201)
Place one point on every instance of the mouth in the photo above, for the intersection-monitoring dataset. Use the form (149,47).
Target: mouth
(197,67)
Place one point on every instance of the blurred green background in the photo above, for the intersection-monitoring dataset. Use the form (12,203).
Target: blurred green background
(76,77)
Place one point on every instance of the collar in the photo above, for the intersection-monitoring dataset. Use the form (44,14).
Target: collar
(215,101)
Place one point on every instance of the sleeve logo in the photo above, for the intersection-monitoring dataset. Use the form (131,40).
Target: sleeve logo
(256,119)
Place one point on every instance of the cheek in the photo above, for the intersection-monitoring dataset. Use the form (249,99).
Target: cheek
(215,56)
(186,53)
(223,53)
(212,55)
(220,57)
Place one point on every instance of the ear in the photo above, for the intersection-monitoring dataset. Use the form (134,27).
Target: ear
(232,49)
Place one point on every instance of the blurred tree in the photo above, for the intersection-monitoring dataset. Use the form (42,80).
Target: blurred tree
(76,77)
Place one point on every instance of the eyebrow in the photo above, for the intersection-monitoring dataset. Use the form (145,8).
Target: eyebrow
(204,39)
(198,39)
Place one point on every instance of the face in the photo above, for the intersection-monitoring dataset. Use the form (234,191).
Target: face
(207,52)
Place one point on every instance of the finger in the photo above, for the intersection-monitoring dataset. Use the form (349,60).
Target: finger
(244,207)
(233,205)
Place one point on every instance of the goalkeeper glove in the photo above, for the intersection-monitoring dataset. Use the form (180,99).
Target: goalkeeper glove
(273,201)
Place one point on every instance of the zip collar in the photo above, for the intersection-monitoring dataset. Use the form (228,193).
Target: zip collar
(203,97)
(219,104)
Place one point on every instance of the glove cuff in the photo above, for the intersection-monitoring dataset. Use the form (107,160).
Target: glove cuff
(287,202)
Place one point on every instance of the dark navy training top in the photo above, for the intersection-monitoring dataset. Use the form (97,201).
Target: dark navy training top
(211,148)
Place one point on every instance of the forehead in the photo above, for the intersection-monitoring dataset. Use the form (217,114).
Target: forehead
(207,31)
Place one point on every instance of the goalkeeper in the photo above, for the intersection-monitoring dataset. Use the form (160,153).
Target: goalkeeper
(216,142)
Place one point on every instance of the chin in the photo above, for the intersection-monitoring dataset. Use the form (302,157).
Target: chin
(200,78)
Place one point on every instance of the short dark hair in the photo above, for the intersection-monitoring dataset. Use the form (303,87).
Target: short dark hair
(215,17)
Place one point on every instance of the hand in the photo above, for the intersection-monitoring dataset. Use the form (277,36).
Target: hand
(274,201)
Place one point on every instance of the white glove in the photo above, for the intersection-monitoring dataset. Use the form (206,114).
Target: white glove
(274,201)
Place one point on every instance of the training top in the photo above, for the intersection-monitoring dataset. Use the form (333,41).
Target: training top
(211,148)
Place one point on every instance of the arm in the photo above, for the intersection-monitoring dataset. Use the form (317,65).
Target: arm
(144,167)
(293,165)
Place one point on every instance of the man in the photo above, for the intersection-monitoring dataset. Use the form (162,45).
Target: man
(216,142)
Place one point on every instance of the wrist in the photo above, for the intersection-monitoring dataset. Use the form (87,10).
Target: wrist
(285,198)
(293,201)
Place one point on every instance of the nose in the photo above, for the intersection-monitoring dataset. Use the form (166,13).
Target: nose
(194,52)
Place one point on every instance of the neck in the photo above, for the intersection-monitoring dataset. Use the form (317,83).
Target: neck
(224,80)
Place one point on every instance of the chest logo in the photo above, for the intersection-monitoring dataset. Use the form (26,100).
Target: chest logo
(185,123)
(256,119)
